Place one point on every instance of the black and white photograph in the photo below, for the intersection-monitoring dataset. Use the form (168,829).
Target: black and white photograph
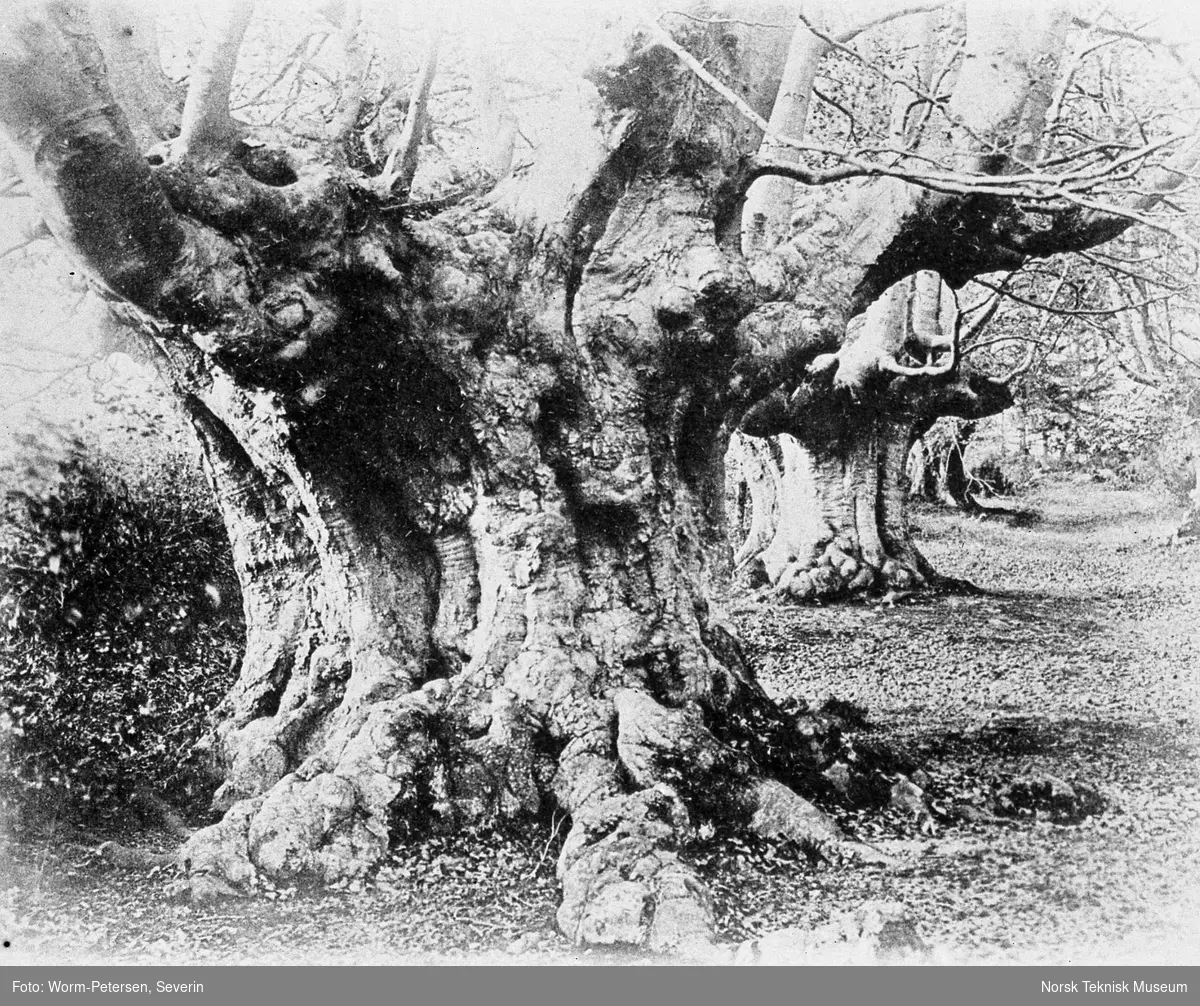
(598,482)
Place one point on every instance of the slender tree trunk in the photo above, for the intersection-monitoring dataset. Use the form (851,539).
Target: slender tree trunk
(207,124)
(128,35)
(1189,529)
(955,482)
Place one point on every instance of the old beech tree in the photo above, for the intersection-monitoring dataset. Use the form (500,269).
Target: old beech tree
(470,452)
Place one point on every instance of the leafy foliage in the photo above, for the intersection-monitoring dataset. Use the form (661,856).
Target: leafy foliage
(120,630)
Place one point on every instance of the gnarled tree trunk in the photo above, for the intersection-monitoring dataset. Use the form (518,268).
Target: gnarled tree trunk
(472,474)
(832,509)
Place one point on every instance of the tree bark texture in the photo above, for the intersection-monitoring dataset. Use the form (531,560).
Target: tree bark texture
(866,353)
(937,469)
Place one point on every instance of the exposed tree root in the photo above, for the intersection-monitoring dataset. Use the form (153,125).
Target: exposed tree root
(635,801)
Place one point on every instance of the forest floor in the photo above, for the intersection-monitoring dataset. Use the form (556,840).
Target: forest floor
(1080,664)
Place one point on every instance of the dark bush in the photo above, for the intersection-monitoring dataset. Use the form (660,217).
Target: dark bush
(120,629)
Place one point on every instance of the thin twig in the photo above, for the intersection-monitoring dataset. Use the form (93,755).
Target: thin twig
(556,824)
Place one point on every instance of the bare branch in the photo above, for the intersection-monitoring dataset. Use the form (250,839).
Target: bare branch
(931,98)
(1125,33)
(769,203)
(401,164)
(61,375)
(765,164)
(1001,340)
(75,152)
(1031,351)
(497,124)
(851,122)
(1094,151)
(868,16)
(1046,307)
(1083,49)
(1114,267)
(299,56)
(350,86)
(1034,186)
(1024,366)
(989,309)
(30,234)
(1133,216)
(207,124)
(898,81)
(991,304)
(723,20)
(5,252)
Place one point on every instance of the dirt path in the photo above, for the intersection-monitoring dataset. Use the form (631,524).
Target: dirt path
(1083,664)
(1088,615)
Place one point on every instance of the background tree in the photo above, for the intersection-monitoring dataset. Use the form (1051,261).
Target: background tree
(1099,356)
(469,449)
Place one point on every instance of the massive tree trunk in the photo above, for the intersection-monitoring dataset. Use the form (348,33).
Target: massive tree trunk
(471,463)
(845,432)
(472,474)
(830,518)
